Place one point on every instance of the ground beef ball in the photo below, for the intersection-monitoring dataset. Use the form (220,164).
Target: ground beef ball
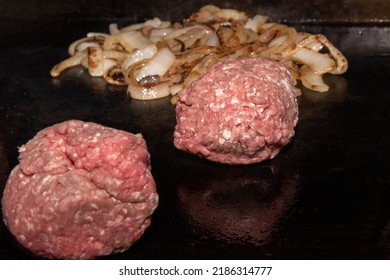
(81,190)
(237,112)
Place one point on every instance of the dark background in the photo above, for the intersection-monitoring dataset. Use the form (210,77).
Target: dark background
(325,196)
(279,10)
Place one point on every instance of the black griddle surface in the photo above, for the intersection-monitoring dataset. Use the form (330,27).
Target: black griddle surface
(325,196)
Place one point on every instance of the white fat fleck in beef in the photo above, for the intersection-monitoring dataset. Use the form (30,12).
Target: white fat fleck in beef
(238,112)
(80,190)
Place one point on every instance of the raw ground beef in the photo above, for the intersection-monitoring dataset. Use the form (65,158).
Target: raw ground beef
(81,190)
(237,112)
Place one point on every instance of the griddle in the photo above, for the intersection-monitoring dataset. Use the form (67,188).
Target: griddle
(325,196)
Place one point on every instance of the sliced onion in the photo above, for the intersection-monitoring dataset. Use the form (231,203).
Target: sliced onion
(266,26)
(84,60)
(97,35)
(67,63)
(318,62)
(113,28)
(231,14)
(115,76)
(274,31)
(278,47)
(174,89)
(213,40)
(208,60)
(108,64)
(82,44)
(116,55)
(342,63)
(228,37)
(138,55)
(149,54)
(251,35)
(247,50)
(154,22)
(95,62)
(193,36)
(314,45)
(312,80)
(205,14)
(159,64)
(278,41)
(149,92)
(293,69)
(180,33)
(158,34)
(185,62)
(255,22)
(128,40)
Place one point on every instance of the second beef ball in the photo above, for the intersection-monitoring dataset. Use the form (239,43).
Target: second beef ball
(238,112)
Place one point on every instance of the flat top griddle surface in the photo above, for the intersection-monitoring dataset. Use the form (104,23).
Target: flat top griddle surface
(326,195)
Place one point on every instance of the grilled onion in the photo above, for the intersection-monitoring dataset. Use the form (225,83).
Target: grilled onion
(157,58)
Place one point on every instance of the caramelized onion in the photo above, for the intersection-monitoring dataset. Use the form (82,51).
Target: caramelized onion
(320,63)
(157,65)
(138,55)
(69,62)
(128,40)
(137,91)
(312,80)
(157,58)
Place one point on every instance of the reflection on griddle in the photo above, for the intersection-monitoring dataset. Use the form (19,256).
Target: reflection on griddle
(240,205)
(316,105)
(338,89)
(79,76)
